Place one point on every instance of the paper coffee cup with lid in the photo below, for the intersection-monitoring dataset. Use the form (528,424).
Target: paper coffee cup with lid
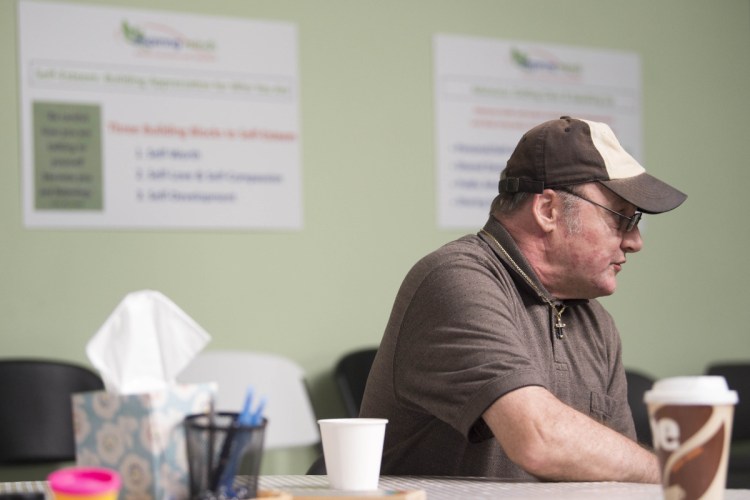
(691,423)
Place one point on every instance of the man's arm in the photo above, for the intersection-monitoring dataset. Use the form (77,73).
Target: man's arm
(552,441)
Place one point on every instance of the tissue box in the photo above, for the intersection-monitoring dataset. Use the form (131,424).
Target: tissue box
(141,436)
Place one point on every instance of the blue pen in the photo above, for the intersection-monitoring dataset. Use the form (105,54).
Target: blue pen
(246,418)
(257,416)
(222,476)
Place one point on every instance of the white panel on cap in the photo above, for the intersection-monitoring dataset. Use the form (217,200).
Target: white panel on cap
(619,163)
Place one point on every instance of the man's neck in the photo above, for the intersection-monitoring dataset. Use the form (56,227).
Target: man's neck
(534,245)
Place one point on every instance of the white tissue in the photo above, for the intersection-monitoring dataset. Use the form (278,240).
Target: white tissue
(144,344)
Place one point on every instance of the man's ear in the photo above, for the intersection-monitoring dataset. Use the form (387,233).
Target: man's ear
(546,210)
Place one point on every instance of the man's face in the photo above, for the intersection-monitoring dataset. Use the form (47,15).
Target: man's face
(590,258)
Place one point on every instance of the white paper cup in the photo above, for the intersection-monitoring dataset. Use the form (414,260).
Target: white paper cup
(691,422)
(352,448)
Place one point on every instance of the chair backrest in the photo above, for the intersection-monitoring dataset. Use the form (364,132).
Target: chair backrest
(737,375)
(638,384)
(36,416)
(350,375)
(291,418)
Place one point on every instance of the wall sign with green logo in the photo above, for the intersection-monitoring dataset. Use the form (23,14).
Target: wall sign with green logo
(146,119)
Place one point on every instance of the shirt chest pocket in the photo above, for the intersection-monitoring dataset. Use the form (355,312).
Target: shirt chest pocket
(597,405)
(602,407)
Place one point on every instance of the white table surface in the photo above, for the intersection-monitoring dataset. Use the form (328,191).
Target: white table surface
(454,488)
(470,488)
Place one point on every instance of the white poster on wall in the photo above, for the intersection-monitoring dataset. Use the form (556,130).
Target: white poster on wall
(150,119)
(488,92)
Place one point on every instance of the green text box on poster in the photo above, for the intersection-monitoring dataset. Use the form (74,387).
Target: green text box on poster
(67,156)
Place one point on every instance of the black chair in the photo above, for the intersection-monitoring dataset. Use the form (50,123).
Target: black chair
(351,374)
(36,417)
(737,375)
(638,384)
(318,467)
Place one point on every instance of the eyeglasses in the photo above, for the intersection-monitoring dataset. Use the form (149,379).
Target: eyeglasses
(626,223)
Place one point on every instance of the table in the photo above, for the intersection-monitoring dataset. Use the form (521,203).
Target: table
(442,488)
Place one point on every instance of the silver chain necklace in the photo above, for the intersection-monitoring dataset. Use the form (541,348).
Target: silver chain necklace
(559,325)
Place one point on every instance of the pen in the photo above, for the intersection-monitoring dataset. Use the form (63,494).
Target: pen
(233,446)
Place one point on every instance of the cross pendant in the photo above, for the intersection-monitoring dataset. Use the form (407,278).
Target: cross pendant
(559,333)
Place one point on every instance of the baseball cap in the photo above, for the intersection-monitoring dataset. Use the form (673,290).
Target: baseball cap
(571,151)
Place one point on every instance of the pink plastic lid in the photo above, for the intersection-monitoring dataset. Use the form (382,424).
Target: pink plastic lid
(84,480)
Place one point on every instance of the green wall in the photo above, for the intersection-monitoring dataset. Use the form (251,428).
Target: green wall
(369,199)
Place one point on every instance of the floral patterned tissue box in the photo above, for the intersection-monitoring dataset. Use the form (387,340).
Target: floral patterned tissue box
(141,436)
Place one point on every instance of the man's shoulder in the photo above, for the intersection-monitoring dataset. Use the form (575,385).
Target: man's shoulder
(469,246)
(459,256)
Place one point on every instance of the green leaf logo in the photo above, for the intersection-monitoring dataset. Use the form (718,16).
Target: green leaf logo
(520,58)
(132,34)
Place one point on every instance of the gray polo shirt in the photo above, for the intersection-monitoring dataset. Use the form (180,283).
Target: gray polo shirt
(466,329)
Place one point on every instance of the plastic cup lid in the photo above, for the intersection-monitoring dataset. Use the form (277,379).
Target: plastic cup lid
(84,480)
(701,390)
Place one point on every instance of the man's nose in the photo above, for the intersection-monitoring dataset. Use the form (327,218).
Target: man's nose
(632,241)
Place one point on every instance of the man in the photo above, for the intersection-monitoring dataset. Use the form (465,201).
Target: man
(497,360)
